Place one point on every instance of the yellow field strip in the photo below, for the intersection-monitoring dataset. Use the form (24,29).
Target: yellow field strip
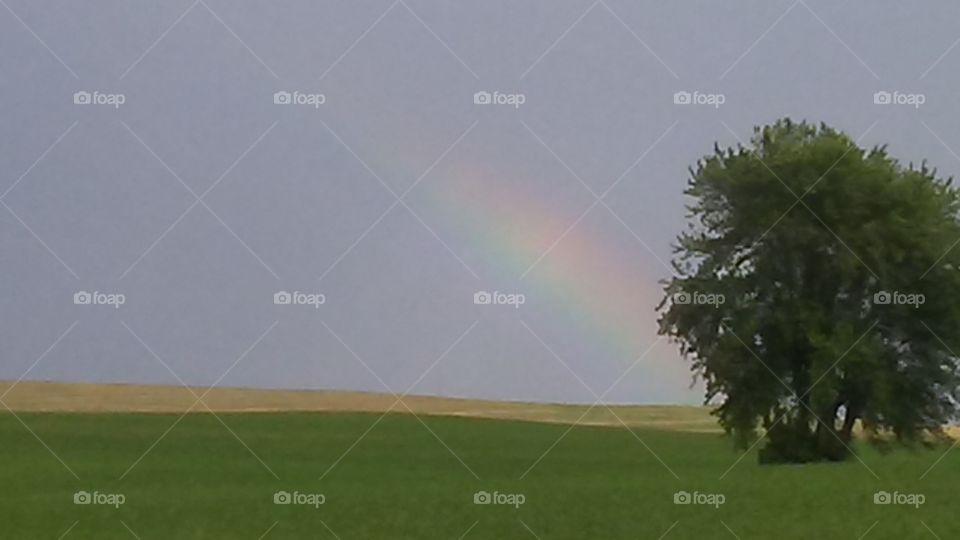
(32,396)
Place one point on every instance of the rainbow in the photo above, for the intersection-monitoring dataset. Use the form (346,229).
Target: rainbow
(590,278)
(593,279)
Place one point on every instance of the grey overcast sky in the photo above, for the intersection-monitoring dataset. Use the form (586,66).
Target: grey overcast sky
(399,196)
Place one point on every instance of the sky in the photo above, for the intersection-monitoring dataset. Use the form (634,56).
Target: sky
(391,162)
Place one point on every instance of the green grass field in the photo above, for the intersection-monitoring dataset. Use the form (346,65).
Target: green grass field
(400,481)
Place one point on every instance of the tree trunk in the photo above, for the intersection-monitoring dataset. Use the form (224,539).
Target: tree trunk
(849,420)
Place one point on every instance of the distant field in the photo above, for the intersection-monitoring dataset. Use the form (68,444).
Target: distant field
(73,397)
(405,479)
(400,476)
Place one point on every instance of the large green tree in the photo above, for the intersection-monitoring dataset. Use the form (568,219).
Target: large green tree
(816,289)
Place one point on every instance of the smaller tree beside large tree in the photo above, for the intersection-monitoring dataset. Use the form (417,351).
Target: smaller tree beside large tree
(815,287)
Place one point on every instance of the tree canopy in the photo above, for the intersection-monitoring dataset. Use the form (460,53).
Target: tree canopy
(817,286)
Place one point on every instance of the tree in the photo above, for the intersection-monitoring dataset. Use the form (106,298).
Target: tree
(816,286)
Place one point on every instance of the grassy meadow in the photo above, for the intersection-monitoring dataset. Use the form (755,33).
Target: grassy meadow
(417,478)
